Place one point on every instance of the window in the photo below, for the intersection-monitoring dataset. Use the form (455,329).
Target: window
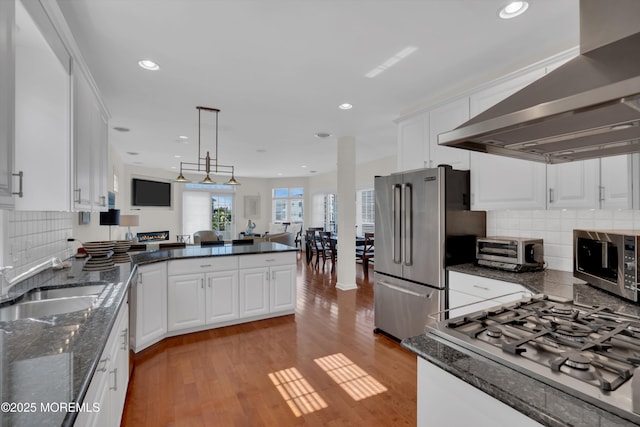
(288,205)
(208,207)
(366,211)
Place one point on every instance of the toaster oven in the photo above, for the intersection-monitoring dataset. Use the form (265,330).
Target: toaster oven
(510,253)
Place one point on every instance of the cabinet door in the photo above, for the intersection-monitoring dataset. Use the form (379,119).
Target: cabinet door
(573,185)
(121,366)
(7,58)
(283,288)
(444,119)
(151,305)
(254,291)
(504,183)
(412,147)
(615,181)
(469,293)
(83,119)
(99,157)
(42,103)
(222,296)
(186,301)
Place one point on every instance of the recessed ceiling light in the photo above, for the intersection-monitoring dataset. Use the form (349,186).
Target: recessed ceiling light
(513,9)
(132,153)
(121,129)
(303,166)
(148,64)
(279,174)
(183,137)
(322,135)
(345,106)
(177,156)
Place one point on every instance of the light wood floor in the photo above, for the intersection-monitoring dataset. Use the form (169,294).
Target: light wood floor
(321,367)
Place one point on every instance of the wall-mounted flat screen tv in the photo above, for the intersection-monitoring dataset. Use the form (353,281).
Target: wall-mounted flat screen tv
(150,193)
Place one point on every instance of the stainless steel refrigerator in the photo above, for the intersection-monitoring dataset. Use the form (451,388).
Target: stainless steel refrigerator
(423,224)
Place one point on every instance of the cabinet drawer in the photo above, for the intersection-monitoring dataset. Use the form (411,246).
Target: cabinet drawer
(202,265)
(482,287)
(267,260)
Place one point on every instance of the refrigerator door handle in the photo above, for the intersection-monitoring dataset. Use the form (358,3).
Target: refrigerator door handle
(403,290)
(407,237)
(397,220)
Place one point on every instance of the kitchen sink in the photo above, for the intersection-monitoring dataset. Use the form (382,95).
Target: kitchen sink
(46,307)
(76,291)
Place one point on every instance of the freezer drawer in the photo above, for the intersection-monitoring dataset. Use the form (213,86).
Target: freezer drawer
(402,309)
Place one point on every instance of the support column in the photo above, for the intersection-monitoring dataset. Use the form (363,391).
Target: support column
(346,277)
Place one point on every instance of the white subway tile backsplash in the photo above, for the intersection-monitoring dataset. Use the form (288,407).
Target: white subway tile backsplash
(556,228)
(35,237)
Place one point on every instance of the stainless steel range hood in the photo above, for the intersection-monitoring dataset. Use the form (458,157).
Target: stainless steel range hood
(587,108)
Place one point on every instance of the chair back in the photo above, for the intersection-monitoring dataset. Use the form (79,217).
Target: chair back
(204,235)
(208,243)
(174,245)
(242,242)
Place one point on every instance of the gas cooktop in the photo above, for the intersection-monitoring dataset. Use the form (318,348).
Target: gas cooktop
(591,352)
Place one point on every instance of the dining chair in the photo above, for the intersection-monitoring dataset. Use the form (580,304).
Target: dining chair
(311,247)
(328,249)
(366,252)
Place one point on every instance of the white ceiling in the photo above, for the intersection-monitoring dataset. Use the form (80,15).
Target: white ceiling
(278,69)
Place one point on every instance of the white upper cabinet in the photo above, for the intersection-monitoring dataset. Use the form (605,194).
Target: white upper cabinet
(502,182)
(418,138)
(616,182)
(41,123)
(90,147)
(443,119)
(7,14)
(42,116)
(573,185)
(412,152)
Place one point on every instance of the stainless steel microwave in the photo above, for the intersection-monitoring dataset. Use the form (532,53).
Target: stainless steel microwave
(607,259)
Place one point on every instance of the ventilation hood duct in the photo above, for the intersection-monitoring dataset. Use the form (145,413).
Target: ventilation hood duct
(587,108)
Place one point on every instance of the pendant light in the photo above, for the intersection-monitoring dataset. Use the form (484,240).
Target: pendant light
(207,164)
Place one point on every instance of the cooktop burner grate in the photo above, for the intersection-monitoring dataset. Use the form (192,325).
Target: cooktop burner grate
(592,344)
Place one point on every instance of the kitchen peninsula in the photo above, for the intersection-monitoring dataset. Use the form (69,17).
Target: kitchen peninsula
(497,390)
(84,354)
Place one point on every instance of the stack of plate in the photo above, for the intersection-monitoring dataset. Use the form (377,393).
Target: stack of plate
(120,251)
(100,259)
(99,249)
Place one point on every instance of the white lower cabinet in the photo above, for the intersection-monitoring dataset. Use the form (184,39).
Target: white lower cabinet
(439,400)
(254,291)
(193,294)
(469,293)
(104,400)
(185,302)
(267,284)
(149,297)
(203,298)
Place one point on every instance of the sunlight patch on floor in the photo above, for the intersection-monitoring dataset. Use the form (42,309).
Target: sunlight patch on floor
(297,392)
(353,379)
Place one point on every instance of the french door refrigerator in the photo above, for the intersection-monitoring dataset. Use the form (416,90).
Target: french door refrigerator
(423,224)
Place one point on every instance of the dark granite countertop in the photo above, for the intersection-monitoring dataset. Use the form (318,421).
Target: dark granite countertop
(159,255)
(539,401)
(52,359)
